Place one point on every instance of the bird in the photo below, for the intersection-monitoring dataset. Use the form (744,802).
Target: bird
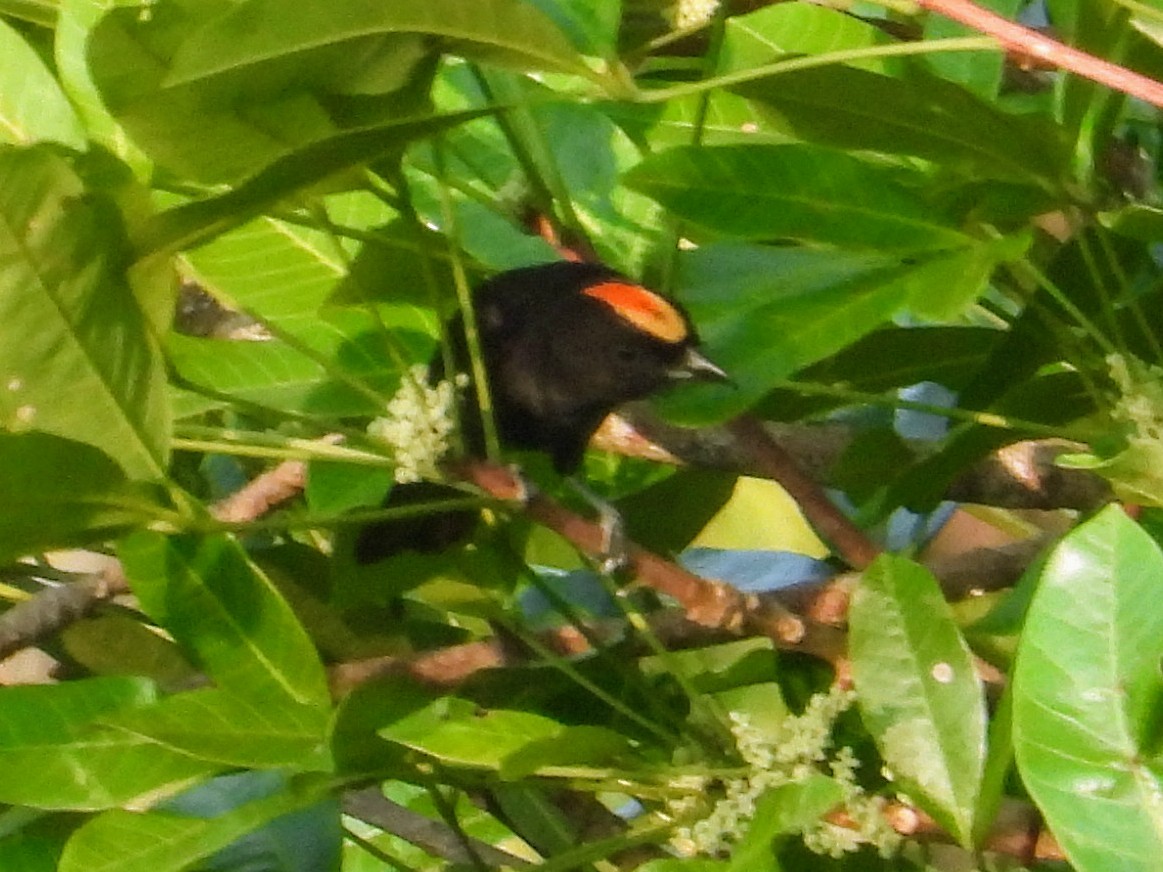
(563,344)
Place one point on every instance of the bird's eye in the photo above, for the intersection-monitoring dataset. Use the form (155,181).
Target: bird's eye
(626,354)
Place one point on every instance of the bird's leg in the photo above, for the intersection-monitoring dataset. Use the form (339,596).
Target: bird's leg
(614,555)
(526,489)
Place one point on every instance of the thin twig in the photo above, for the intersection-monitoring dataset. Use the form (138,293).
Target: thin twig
(371,806)
(1024,41)
(55,608)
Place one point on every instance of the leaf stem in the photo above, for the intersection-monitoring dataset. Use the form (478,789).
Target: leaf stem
(968,43)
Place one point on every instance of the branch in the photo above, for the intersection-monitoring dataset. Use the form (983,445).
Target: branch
(440,840)
(846,538)
(1024,41)
(447,668)
(706,602)
(1022,475)
(55,608)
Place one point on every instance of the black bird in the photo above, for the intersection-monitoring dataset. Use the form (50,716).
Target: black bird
(563,344)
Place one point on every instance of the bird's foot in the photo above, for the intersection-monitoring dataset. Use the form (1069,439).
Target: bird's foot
(614,553)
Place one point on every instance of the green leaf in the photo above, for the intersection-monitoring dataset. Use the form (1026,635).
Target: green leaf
(789,808)
(346,363)
(793,192)
(276,270)
(229,126)
(206,134)
(580,745)
(91,502)
(226,614)
(254,32)
(458,732)
(889,358)
(30,852)
(980,72)
(211,724)
(816,301)
(32,106)
(193,223)
(75,22)
(592,25)
(122,841)
(54,756)
(588,153)
(922,116)
(943,288)
(1087,696)
(723,118)
(71,325)
(775,32)
(919,693)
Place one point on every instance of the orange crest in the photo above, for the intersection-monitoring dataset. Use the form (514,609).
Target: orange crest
(645,309)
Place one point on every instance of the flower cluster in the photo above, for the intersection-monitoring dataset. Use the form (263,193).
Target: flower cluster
(791,753)
(1132,459)
(1140,403)
(692,13)
(420,424)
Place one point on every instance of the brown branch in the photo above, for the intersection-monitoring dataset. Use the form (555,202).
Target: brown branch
(1024,41)
(1022,475)
(438,839)
(848,540)
(447,668)
(55,608)
(706,602)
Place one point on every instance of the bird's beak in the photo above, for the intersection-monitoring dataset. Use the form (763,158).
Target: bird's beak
(694,365)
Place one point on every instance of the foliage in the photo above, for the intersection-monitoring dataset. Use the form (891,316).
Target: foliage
(850,201)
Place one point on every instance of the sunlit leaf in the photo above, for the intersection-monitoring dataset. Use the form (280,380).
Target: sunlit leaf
(54,755)
(919,692)
(32,106)
(1088,694)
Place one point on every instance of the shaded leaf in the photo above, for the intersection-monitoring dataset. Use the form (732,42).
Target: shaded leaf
(919,115)
(192,223)
(75,22)
(69,492)
(226,614)
(254,32)
(793,192)
(122,841)
(30,852)
(71,325)
(206,134)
